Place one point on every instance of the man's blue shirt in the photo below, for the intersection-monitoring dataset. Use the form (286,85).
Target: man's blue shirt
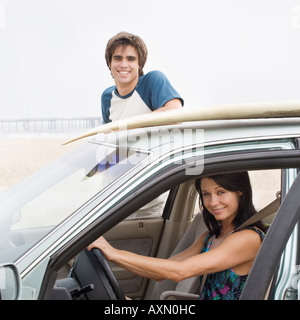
(152,92)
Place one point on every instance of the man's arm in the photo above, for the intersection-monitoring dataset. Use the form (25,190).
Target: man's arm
(171,105)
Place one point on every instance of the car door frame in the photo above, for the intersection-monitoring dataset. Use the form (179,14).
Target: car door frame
(161,182)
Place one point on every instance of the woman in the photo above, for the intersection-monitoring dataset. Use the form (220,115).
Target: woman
(220,253)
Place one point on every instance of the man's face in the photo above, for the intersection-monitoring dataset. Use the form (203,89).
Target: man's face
(125,68)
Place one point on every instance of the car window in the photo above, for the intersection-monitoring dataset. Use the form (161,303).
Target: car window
(153,209)
(62,199)
(265,185)
(31,209)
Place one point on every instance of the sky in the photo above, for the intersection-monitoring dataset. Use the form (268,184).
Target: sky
(214,52)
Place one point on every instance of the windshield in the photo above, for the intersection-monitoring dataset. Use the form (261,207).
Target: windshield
(34,207)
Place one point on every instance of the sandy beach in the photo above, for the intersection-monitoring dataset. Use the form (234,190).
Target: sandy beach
(22,156)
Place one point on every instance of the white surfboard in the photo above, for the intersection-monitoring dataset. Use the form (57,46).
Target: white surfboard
(224,112)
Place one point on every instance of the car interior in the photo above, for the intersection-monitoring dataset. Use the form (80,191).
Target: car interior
(165,226)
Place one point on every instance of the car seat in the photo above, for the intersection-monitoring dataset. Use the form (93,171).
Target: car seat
(186,286)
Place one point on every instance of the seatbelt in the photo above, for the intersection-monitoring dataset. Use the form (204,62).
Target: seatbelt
(263,213)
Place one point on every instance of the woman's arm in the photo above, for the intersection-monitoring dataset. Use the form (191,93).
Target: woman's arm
(191,251)
(153,268)
(239,248)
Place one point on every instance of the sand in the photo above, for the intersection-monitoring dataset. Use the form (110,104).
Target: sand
(20,157)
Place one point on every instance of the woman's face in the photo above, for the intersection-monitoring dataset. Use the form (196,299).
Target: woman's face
(221,203)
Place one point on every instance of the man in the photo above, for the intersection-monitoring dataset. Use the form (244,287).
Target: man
(134,93)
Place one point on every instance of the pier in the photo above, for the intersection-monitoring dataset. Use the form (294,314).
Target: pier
(48,125)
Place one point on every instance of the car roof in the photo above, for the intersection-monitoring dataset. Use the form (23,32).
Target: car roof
(203,133)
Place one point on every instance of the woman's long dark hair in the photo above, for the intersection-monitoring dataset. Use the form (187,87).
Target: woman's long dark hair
(238,181)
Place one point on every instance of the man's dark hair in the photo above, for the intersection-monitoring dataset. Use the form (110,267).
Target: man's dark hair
(127,39)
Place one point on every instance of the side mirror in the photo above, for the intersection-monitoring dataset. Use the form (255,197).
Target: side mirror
(10,282)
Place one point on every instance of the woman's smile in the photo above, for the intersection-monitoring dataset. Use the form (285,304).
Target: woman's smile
(219,210)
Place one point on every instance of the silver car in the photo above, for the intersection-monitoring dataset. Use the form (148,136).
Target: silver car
(136,187)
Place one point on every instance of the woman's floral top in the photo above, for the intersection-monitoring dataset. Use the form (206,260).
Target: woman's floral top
(223,285)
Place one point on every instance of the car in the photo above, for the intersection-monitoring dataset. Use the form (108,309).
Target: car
(135,186)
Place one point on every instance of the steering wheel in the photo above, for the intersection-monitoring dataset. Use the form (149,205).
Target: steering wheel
(109,274)
(92,270)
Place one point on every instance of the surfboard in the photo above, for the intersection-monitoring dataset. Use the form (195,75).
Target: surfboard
(221,112)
